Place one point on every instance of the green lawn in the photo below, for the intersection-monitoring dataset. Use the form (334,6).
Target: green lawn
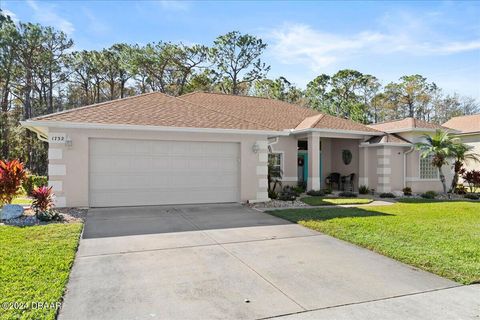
(34,266)
(440,237)
(323,201)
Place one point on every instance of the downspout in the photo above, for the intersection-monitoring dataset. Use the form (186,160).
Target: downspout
(271,141)
(405,165)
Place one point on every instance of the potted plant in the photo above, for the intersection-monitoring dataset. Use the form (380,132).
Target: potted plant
(42,204)
(12,174)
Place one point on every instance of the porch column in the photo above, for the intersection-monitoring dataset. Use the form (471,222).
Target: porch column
(313,182)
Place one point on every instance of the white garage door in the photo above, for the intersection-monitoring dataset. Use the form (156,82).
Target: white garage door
(149,172)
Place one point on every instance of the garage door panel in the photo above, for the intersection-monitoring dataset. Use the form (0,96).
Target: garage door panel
(144,172)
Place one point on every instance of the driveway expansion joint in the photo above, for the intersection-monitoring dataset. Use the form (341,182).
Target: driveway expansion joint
(362,302)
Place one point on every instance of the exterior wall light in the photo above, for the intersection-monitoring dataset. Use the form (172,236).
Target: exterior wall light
(68,142)
(255,148)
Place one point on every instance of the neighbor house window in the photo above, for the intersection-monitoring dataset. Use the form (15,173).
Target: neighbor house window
(427,170)
(276,160)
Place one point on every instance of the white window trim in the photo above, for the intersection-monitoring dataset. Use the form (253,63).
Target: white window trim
(420,171)
(282,161)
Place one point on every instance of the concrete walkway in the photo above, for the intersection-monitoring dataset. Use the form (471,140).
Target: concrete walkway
(231,262)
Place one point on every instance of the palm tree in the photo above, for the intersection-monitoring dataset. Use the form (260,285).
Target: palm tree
(461,153)
(439,147)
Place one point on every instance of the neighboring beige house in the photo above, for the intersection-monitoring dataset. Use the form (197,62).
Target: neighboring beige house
(469,132)
(155,149)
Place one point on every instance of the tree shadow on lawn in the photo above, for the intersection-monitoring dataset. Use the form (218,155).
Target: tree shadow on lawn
(324,214)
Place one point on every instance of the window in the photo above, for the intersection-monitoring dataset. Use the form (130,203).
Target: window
(427,170)
(275,159)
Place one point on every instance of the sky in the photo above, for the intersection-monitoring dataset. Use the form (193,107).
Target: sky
(439,40)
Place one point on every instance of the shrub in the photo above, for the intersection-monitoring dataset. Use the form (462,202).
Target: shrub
(387,195)
(327,191)
(472,196)
(460,189)
(49,215)
(298,190)
(32,182)
(363,190)
(429,195)
(407,191)
(348,194)
(42,199)
(472,177)
(287,194)
(12,174)
(316,193)
(272,194)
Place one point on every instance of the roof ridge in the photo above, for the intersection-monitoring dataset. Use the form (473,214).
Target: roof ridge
(98,104)
(464,116)
(225,114)
(243,96)
(383,122)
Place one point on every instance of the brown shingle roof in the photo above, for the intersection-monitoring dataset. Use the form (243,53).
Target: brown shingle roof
(272,113)
(153,109)
(464,124)
(204,110)
(405,124)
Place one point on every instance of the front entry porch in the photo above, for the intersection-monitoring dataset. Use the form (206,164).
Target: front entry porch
(328,162)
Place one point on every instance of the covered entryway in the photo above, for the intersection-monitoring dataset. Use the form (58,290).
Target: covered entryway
(156,172)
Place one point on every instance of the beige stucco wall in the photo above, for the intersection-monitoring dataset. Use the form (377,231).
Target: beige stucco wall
(474,141)
(421,185)
(72,186)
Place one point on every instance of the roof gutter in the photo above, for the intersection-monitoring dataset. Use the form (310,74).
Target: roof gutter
(40,135)
(30,124)
(370,133)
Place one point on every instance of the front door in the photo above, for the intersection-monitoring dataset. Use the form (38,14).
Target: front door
(302,168)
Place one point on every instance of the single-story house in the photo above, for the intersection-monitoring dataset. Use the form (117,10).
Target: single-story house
(155,149)
(468,128)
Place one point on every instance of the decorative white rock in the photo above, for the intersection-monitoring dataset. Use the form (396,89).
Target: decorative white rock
(11,211)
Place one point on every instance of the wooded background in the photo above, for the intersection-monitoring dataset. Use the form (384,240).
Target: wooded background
(41,73)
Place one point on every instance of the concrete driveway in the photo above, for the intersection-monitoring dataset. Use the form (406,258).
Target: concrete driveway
(231,262)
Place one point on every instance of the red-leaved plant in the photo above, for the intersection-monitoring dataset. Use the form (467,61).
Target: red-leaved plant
(42,199)
(12,174)
(472,177)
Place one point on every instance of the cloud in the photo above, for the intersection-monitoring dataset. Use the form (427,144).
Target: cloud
(300,43)
(47,15)
(174,5)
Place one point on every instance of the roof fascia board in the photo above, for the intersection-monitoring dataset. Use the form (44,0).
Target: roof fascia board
(82,125)
(369,145)
(462,134)
(363,133)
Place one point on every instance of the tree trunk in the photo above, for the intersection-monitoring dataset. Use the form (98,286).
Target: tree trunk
(50,93)
(442,179)
(4,121)
(28,90)
(453,187)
